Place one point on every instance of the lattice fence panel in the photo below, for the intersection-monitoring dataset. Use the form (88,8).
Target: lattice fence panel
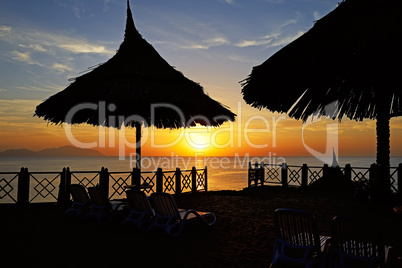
(149,179)
(169,182)
(314,173)
(200,179)
(186,179)
(85,180)
(294,176)
(44,187)
(272,174)
(8,188)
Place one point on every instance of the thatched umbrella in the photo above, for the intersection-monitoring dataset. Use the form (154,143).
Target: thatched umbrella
(353,56)
(133,80)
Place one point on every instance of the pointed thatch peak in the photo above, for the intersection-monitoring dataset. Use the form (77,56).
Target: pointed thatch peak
(131,31)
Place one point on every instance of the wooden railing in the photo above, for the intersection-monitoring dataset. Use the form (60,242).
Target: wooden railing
(25,187)
(260,174)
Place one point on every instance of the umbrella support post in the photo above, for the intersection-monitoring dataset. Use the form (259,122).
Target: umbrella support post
(138,146)
(381,188)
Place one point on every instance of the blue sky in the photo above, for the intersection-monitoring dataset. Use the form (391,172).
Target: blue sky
(213,42)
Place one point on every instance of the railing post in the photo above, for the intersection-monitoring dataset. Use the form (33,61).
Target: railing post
(399,180)
(206,179)
(262,173)
(304,179)
(23,187)
(284,174)
(372,180)
(348,172)
(178,180)
(104,180)
(249,174)
(136,177)
(159,180)
(325,170)
(63,198)
(194,180)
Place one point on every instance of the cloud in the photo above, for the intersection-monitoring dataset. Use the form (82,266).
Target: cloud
(230,2)
(4,30)
(82,47)
(316,15)
(40,41)
(22,57)
(61,67)
(35,47)
(275,38)
(208,43)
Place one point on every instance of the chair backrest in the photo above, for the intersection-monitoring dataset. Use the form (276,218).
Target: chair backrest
(296,227)
(98,197)
(164,204)
(138,201)
(357,237)
(79,193)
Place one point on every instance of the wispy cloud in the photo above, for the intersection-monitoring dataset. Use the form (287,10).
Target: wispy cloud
(42,87)
(230,2)
(316,15)
(275,38)
(33,47)
(22,57)
(61,67)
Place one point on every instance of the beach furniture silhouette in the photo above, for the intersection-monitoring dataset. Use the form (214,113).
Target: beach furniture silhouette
(355,242)
(140,208)
(297,241)
(101,207)
(172,219)
(81,201)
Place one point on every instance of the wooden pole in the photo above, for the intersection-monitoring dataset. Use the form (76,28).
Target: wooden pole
(138,146)
(178,181)
(194,180)
(23,187)
(159,180)
(399,180)
(206,179)
(284,174)
(304,179)
(262,173)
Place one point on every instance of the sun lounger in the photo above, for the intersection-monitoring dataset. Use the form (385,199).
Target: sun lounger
(101,207)
(355,243)
(81,201)
(172,219)
(297,241)
(141,211)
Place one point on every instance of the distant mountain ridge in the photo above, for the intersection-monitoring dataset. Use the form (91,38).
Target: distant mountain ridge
(61,151)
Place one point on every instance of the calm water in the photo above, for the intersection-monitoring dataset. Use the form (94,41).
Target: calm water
(224,173)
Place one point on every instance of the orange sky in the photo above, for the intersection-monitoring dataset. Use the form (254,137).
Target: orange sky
(254,132)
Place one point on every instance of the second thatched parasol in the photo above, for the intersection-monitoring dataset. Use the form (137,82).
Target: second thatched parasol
(132,84)
(352,56)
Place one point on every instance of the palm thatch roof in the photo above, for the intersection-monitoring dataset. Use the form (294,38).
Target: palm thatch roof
(134,79)
(352,55)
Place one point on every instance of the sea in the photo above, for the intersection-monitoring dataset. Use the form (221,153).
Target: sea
(224,173)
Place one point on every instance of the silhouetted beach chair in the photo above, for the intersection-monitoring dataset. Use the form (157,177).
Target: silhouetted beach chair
(172,219)
(81,201)
(355,243)
(140,208)
(297,241)
(101,207)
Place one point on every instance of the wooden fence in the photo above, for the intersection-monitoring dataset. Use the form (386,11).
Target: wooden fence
(25,187)
(260,174)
